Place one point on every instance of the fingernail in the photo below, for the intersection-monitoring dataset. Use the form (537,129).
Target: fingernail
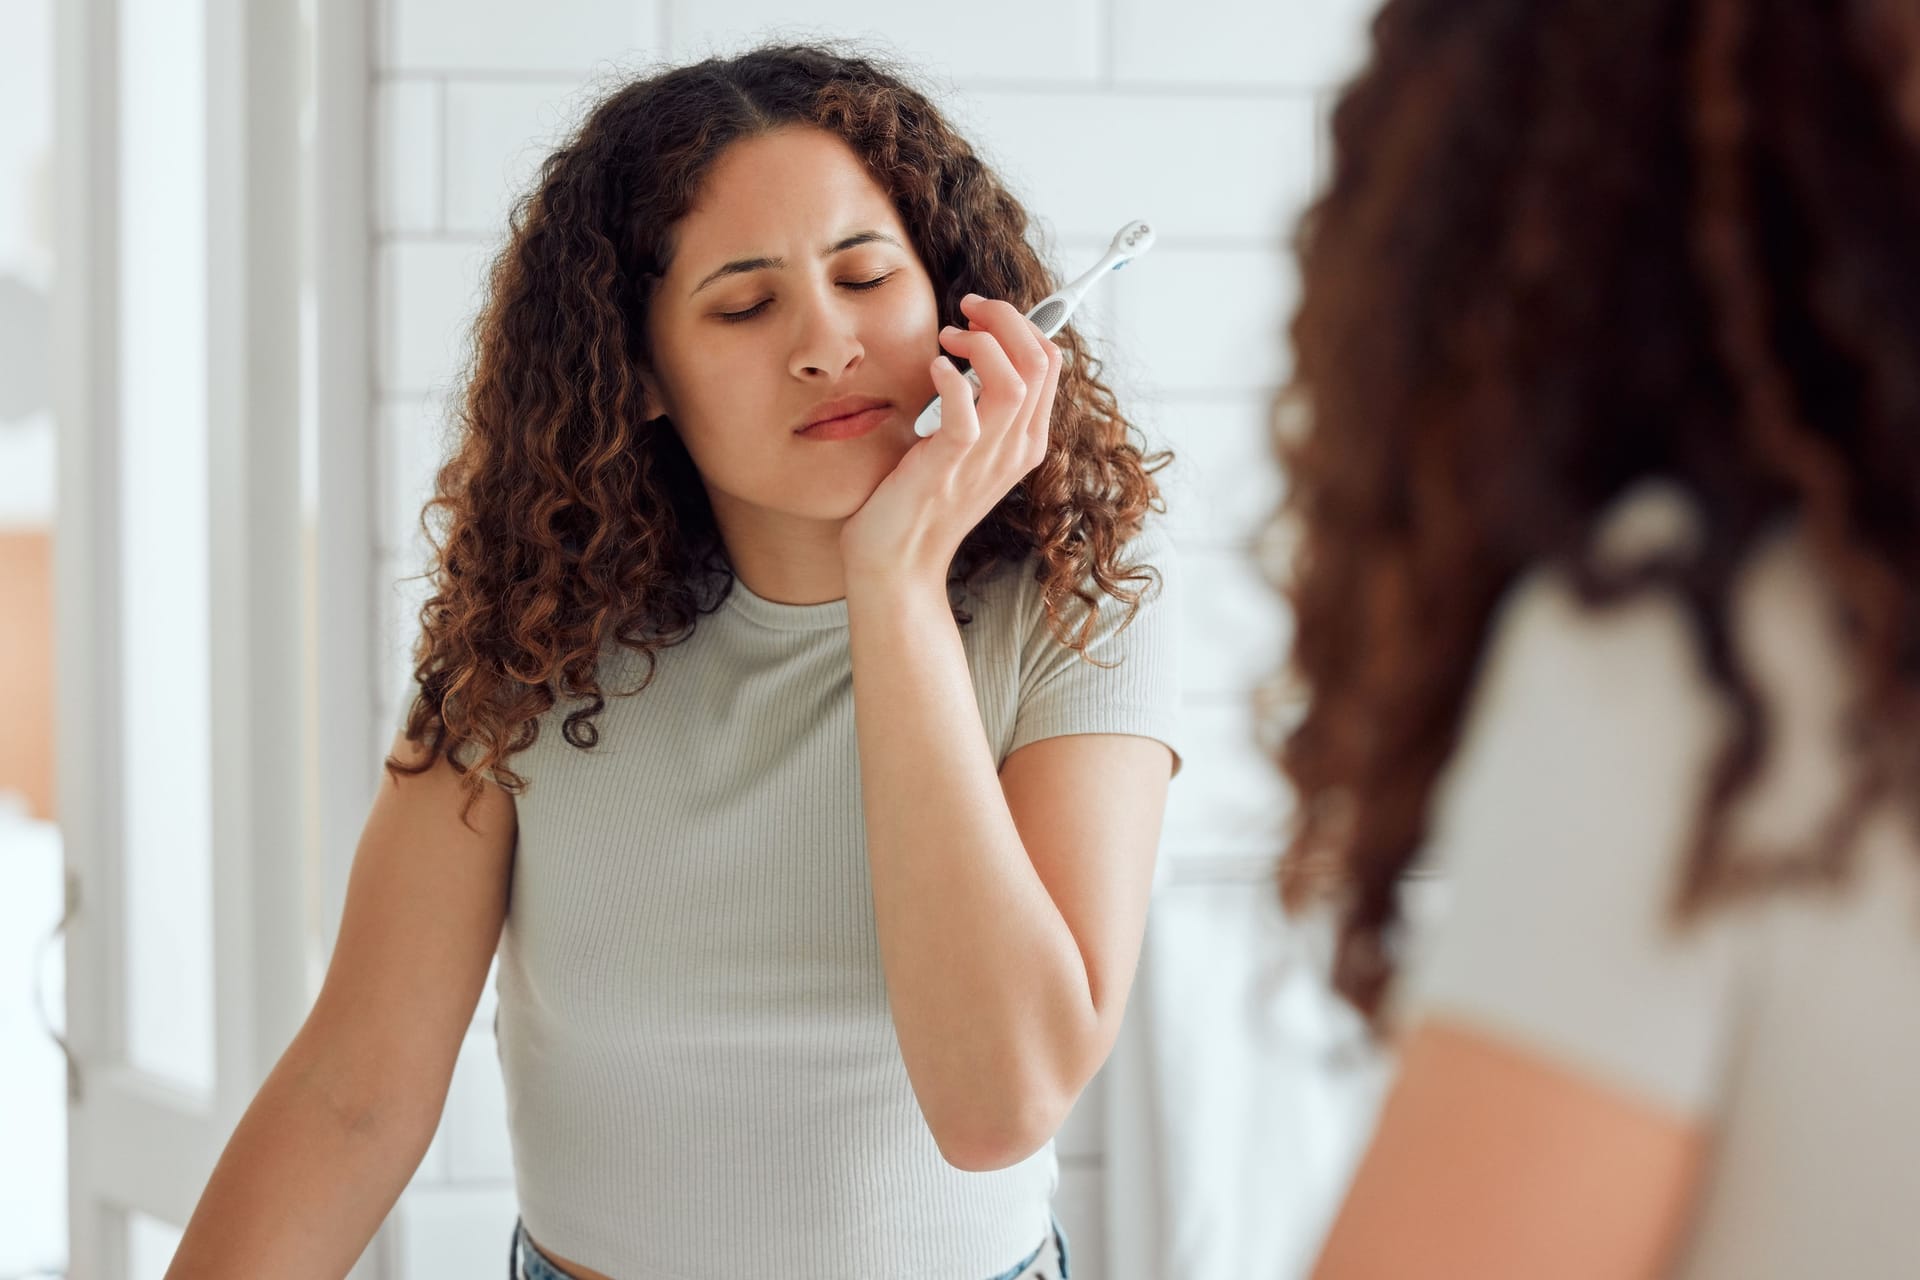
(973,297)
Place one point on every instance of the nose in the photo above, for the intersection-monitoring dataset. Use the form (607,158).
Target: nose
(827,342)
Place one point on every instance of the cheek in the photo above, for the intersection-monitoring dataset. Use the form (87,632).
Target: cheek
(911,327)
(710,379)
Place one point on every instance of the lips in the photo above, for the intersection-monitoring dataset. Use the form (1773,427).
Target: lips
(845,406)
(849,426)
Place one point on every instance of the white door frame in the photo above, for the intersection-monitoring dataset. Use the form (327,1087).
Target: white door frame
(138,1142)
(347,626)
(346,630)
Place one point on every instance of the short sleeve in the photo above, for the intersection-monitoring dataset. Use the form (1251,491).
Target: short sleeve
(1558,834)
(1136,689)
(466,753)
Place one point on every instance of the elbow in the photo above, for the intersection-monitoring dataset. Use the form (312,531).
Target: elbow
(989,1139)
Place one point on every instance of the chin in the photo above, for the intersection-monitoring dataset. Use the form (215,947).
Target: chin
(851,474)
(826,501)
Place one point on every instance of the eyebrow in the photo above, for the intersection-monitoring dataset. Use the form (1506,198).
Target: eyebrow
(741,265)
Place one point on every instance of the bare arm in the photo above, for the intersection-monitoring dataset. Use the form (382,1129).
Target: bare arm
(1010,909)
(344,1117)
(1492,1161)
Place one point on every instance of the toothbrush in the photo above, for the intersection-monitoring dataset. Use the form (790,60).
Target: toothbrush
(1132,240)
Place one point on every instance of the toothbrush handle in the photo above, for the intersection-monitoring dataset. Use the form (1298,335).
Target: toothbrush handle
(929,420)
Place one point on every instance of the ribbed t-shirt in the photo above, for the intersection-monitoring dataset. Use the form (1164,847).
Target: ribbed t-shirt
(1787,1027)
(702,1076)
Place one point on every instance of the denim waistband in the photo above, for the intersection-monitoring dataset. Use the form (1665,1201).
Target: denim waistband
(526,1262)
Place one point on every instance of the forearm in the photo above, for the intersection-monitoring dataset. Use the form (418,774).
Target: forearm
(988,989)
(304,1182)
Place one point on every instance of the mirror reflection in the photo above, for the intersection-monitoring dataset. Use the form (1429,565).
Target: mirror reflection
(1224,642)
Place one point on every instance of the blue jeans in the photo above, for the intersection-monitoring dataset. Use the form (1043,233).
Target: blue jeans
(526,1262)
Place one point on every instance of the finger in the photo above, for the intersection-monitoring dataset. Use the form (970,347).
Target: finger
(1029,445)
(959,421)
(1003,392)
(1042,426)
(1018,336)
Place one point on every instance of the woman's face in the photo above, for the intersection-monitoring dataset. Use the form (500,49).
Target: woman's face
(772,240)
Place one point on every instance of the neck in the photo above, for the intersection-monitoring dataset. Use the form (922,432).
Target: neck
(784,558)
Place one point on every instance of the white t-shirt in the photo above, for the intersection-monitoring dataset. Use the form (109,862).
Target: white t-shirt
(1789,1027)
(702,1075)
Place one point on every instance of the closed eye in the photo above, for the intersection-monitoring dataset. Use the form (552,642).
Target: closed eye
(735,317)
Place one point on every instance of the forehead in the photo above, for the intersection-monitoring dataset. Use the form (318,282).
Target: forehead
(779,193)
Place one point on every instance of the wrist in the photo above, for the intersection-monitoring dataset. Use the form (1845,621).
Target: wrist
(902,581)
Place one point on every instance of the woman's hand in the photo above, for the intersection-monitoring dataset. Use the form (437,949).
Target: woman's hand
(913,523)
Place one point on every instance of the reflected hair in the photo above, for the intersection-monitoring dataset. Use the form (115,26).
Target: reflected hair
(1569,247)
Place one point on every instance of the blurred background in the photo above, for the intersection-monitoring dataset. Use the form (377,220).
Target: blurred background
(239,243)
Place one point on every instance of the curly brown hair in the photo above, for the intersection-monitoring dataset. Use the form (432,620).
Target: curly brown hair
(1568,247)
(572,524)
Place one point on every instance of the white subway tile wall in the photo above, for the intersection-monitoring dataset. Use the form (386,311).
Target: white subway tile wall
(497,133)
(1061,43)
(1272,44)
(1205,116)
(503,38)
(1075,156)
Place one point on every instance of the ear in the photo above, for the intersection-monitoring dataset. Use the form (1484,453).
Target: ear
(652,405)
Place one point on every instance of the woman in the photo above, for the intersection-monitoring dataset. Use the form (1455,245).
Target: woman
(806,776)
(1604,455)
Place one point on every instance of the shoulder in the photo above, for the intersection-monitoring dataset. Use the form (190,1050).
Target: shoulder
(1557,832)
(1011,595)
(1563,679)
(1147,563)
(1604,705)
(1559,827)
(1587,703)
